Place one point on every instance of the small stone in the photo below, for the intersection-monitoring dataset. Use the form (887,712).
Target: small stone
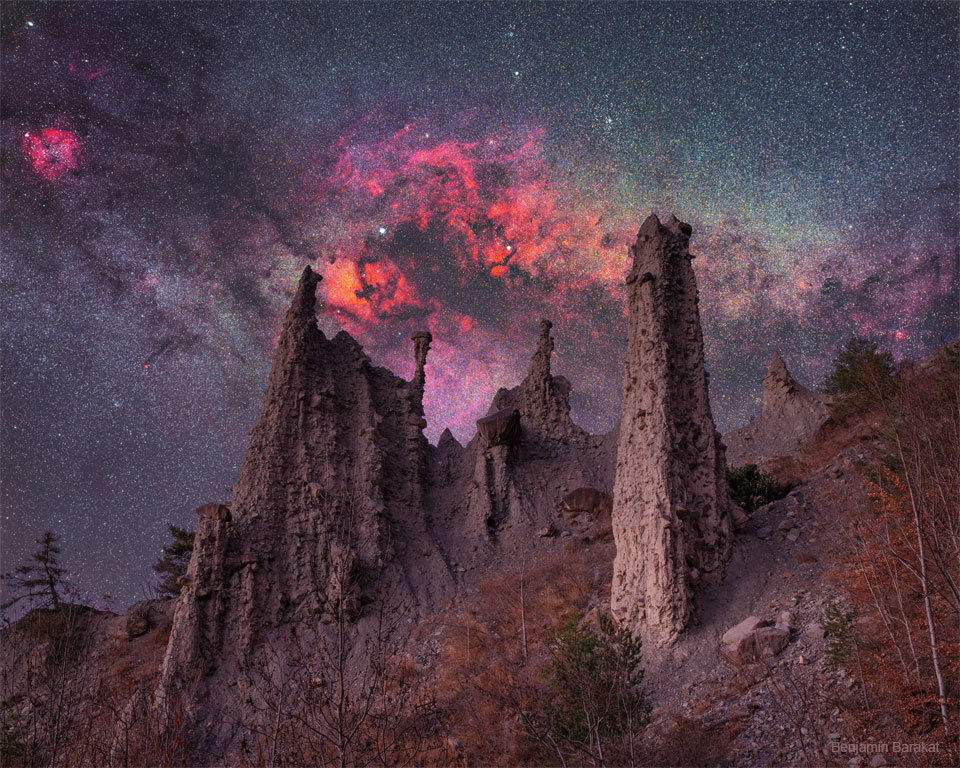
(814,631)
(765,532)
(877,760)
(547,531)
(794,534)
(803,660)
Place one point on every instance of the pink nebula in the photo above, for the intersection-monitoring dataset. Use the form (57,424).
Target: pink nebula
(53,152)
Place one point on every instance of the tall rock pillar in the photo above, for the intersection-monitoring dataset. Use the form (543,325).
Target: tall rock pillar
(671,520)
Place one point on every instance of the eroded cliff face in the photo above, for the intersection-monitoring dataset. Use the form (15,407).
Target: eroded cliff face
(342,505)
(324,516)
(518,484)
(791,417)
(671,516)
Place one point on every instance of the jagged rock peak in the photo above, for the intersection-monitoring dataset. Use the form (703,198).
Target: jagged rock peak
(792,415)
(671,516)
(543,400)
(540,367)
(447,441)
(305,301)
(421,346)
(778,368)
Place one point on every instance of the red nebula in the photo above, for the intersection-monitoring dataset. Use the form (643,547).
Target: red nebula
(53,152)
(498,204)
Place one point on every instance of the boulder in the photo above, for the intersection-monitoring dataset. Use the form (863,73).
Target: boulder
(501,427)
(753,641)
(735,634)
(739,517)
(586,499)
(137,625)
(218,512)
(814,631)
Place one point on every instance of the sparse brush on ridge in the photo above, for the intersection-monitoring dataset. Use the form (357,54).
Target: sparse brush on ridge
(40,580)
(898,552)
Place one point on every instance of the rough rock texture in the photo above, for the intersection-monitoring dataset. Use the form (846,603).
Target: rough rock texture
(329,494)
(515,488)
(791,417)
(671,513)
(342,502)
(501,428)
(586,500)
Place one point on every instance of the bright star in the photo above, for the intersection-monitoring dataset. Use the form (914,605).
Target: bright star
(382,230)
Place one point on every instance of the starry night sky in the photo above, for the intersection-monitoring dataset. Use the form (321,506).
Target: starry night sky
(168,169)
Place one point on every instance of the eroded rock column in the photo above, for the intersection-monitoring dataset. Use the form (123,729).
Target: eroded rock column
(671,519)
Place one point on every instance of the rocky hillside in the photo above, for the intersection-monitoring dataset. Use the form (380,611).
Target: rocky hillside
(365,595)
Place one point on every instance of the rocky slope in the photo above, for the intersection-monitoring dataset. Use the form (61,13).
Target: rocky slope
(343,512)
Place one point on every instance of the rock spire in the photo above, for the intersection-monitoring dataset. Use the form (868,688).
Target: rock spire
(671,517)
(334,469)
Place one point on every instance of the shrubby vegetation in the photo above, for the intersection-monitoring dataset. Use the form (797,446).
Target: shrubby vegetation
(596,707)
(860,375)
(898,554)
(751,488)
(40,580)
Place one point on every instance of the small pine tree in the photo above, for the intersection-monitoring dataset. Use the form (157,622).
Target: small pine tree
(751,488)
(838,624)
(595,676)
(39,580)
(172,565)
(860,376)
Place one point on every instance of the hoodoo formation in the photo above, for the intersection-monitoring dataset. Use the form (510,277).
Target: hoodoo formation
(791,417)
(334,474)
(671,516)
(342,504)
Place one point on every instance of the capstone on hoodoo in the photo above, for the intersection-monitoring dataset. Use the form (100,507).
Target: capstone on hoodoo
(671,510)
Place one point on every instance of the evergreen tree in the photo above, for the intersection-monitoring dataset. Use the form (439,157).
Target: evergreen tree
(861,376)
(597,704)
(172,566)
(39,580)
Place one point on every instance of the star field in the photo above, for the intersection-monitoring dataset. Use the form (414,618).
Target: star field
(169,168)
